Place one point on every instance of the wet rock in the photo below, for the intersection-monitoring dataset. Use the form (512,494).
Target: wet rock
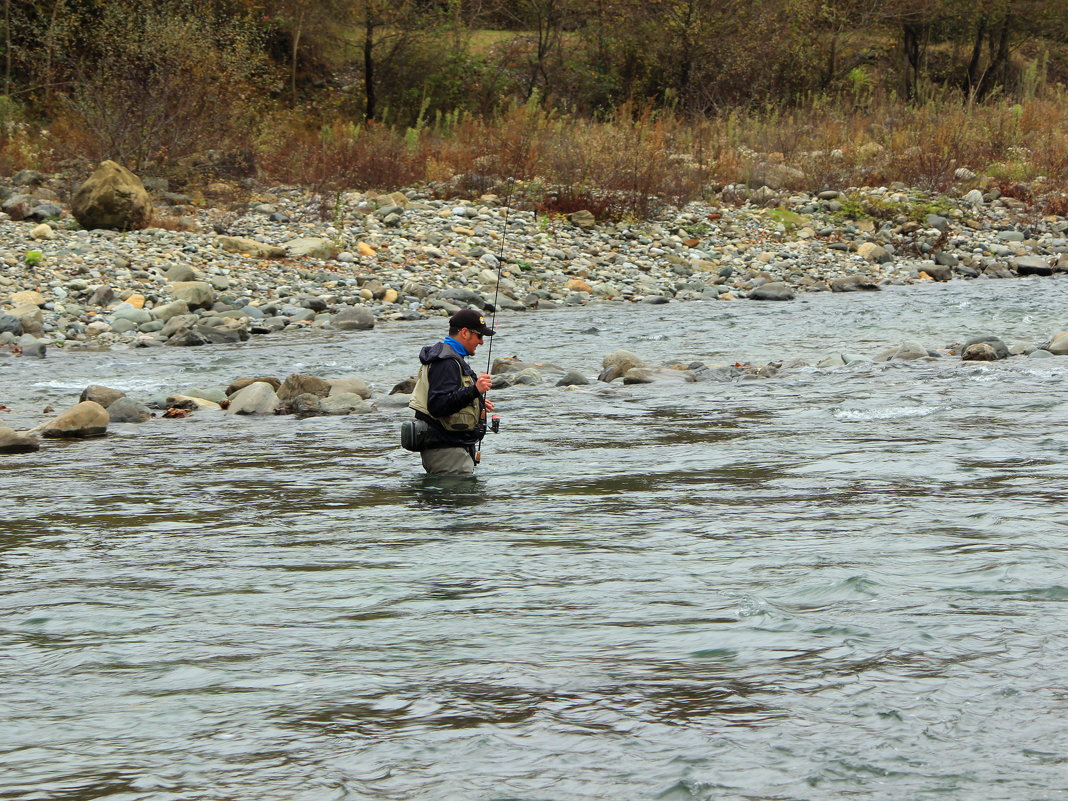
(776,290)
(241,383)
(572,378)
(33,347)
(854,283)
(528,375)
(305,405)
(112,197)
(1040,353)
(256,397)
(125,410)
(190,402)
(12,441)
(979,352)
(656,375)
(350,386)
(9,323)
(939,272)
(1001,350)
(1058,346)
(403,387)
(907,351)
(300,384)
(615,364)
(85,419)
(97,393)
(1032,265)
(187,338)
(353,318)
(344,403)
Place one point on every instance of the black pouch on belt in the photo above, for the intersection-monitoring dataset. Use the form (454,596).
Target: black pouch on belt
(414,435)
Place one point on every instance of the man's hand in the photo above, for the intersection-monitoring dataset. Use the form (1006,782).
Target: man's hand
(483,384)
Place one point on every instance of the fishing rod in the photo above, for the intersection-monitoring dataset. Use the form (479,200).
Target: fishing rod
(495,421)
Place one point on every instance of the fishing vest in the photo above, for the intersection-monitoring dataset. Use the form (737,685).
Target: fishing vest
(467,419)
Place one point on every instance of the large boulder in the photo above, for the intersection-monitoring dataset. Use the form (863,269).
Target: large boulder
(617,363)
(10,323)
(344,403)
(1058,346)
(775,290)
(105,396)
(240,383)
(112,197)
(32,346)
(256,398)
(300,384)
(354,318)
(979,352)
(354,386)
(306,405)
(125,410)
(854,283)
(85,419)
(1032,265)
(1000,349)
(572,378)
(12,441)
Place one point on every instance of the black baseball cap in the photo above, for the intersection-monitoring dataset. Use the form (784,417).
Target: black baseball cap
(471,319)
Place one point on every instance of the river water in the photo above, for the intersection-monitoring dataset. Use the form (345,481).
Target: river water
(828,584)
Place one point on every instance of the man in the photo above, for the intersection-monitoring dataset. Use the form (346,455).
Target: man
(450,398)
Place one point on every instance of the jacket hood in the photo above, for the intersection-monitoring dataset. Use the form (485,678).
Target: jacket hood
(435,352)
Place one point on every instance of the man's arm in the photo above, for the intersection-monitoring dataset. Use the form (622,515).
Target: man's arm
(446,393)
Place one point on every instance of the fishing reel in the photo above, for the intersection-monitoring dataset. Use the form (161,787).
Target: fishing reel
(495,424)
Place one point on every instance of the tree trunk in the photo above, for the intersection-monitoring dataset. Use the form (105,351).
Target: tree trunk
(7,48)
(974,78)
(369,64)
(913,41)
(298,29)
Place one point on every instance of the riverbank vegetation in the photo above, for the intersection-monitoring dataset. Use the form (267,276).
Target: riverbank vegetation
(599,104)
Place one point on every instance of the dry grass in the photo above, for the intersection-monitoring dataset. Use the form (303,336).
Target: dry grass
(638,159)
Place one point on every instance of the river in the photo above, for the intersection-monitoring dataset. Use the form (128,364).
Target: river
(828,584)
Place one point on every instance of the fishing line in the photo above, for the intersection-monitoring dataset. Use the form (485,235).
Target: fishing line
(500,267)
(496,293)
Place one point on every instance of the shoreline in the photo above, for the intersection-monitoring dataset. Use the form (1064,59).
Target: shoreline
(404,256)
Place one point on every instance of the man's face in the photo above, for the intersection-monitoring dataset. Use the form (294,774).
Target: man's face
(469,339)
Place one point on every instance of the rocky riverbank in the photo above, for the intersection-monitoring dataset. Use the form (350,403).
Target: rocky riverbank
(223,273)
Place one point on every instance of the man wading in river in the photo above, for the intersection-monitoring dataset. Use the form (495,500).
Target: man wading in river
(450,399)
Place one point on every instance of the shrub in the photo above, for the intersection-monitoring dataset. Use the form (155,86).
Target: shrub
(159,84)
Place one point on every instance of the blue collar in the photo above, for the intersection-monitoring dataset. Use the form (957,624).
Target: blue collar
(456,346)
